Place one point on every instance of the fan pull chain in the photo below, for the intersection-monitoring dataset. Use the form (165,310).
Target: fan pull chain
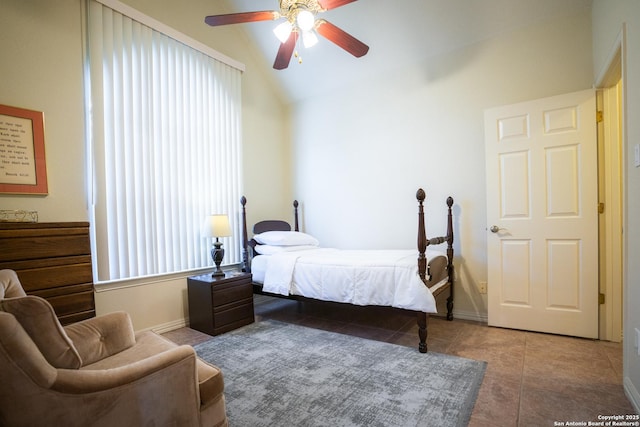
(295,53)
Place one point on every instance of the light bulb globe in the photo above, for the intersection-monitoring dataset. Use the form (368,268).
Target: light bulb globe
(309,39)
(283,31)
(305,20)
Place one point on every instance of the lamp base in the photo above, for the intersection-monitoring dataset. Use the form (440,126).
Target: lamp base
(217,253)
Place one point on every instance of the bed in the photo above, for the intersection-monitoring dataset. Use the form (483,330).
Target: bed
(286,262)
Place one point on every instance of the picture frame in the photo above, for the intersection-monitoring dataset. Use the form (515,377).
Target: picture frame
(23,167)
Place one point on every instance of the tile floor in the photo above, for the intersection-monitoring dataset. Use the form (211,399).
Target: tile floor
(531,379)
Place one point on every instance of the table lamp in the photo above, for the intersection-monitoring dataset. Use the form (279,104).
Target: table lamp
(217,226)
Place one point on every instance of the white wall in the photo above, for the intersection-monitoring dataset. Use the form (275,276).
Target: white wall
(41,69)
(41,57)
(608,19)
(360,155)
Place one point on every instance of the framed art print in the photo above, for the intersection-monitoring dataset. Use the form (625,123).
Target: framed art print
(23,167)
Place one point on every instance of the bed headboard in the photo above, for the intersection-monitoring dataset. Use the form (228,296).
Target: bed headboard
(261,227)
(53,261)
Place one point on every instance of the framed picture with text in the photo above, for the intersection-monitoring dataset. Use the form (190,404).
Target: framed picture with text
(23,168)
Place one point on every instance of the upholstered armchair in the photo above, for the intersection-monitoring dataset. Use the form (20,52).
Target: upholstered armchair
(97,372)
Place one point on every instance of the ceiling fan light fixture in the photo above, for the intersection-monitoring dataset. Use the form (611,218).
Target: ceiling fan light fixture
(305,20)
(301,22)
(309,39)
(283,31)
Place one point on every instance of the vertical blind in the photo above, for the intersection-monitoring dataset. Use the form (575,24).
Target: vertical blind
(164,141)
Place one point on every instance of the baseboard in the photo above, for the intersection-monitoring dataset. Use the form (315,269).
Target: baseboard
(632,394)
(470,315)
(169,326)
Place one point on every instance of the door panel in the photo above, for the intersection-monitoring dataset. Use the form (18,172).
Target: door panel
(516,282)
(542,201)
(515,190)
(562,181)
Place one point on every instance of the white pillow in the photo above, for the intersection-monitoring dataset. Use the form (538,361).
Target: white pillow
(285,238)
(270,250)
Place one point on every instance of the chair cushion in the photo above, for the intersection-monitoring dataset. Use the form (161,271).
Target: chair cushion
(148,343)
(210,381)
(103,336)
(39,320)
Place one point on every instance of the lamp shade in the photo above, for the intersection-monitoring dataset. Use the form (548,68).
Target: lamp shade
(216,226)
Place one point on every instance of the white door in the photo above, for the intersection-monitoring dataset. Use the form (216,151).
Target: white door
(541,165)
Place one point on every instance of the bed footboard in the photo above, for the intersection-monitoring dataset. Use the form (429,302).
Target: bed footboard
(423,243)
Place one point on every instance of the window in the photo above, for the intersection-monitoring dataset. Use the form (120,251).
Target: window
(164,144)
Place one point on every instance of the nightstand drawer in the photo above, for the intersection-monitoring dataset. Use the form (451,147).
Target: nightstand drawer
(236,313)
(225,295)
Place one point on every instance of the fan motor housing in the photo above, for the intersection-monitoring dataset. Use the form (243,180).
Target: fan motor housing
(290,8)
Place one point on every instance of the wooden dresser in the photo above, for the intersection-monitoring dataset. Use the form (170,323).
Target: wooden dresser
(53,261)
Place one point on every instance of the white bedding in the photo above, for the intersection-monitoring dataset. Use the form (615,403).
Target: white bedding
(359,277)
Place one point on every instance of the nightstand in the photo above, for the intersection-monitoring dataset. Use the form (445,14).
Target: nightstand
(220,304)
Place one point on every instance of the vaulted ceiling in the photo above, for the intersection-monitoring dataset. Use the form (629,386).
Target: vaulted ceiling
(398,32)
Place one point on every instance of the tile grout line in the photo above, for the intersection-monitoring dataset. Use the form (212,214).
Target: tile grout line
(524,361)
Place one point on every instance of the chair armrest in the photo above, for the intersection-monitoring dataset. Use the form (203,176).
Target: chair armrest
(176,362)
(102,336)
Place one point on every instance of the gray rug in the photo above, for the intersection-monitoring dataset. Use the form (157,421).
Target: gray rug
(284,375)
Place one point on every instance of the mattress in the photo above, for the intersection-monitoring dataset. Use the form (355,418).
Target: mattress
(368,277)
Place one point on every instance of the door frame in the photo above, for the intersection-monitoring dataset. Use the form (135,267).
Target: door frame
(614,71)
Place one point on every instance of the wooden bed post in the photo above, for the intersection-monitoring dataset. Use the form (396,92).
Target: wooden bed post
(422,236)
(450,270)
(423,243)
(422,268)
(245,254)
(295,215)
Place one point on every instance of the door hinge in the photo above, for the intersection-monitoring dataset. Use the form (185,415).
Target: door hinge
(600,298)
(599,116)
(600,207)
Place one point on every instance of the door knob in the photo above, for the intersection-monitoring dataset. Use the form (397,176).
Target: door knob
(494,229)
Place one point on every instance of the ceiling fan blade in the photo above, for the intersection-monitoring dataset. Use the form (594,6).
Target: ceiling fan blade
(341,38)
(285,51)
(239,18)
(332,4)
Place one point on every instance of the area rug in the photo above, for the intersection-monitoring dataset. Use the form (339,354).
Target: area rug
(285,375)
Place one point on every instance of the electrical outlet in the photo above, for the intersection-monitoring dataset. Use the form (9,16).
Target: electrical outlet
(482,287)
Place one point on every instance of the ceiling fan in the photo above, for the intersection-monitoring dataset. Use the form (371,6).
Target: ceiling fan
(300,22)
